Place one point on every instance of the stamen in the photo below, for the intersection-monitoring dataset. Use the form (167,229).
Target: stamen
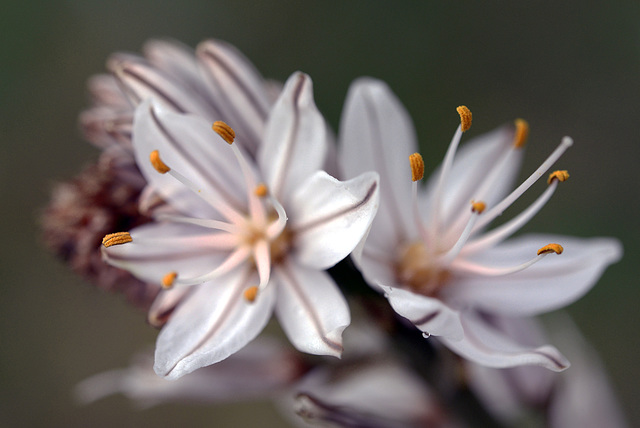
(560,175)
(513,196)
(116,239)
(465,124)
(169,279)
(224,131)
(465,267)
(204,222)
(551,248)
(250,294)
(235,259)
(465,118)
(277,226)
(478,207)
(262,258)
(261,190)
(417,166)
(522,133)
(502,232)
(157,163)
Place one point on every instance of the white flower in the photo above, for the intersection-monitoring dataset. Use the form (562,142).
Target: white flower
(428,249)
(217,82)
(247,238)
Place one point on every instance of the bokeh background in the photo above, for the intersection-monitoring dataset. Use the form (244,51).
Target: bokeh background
(568,67)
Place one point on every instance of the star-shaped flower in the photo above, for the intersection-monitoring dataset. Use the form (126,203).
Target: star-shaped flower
(247,237)
(428,248)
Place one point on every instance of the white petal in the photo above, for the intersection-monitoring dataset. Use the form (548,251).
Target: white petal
(160,248)
(295,141)
(175,59)
(165,303)
(552,283)
(486,345)
(311,309)
(583,397)
(430,315)
(187,144)
(329,217)
(376,134)
(260,370)
(211,324)
(237,90)
(141,81)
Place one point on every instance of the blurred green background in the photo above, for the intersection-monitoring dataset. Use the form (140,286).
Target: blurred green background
(568,67)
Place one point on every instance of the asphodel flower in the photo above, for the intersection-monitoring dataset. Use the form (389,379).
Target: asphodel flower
(246,237)
(429,250)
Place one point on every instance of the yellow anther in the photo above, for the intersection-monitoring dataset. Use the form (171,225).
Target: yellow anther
(522,133)
(225,131)
(551,248)
(261,190)
(169,279)
(560,175)
(157,163)
(116,239)
(478,207)
(250,294)
(417,166)
(465,117)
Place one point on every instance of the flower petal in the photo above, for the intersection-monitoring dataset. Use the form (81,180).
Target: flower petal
(159,248)
(311,309)
(237,90)
(428,314)
(376,134)
(140,81)
(552,283)
(329,217)
(187,144)
(212,323)
(486,345)
(295,141)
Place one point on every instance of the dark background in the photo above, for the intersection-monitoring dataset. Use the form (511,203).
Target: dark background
(568,67)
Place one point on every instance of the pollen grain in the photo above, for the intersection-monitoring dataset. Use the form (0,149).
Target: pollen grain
(169,279)
(116,239)
(478,207)
(522,133)
(560,175)
(465,118)
(250,294)
(157,163)
(551,248)
(417,166)
(224,131)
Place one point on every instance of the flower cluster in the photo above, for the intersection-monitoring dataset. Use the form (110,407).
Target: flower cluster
(244,204)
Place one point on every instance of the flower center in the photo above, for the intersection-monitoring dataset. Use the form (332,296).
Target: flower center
(417,268)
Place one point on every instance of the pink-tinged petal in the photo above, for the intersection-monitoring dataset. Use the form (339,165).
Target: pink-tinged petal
(311,309)
(328,217)
(583,397)
(106,127)
(552,283)
(376,134)
(295,140)
(187,144)
(165,303)
(485,344)
(141,81)
(159,248)
(236,89)
(490,156)
(176,60)
(508,393)
(262,369)
(430,315)
(375,394)
(105,92)
(212,323)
